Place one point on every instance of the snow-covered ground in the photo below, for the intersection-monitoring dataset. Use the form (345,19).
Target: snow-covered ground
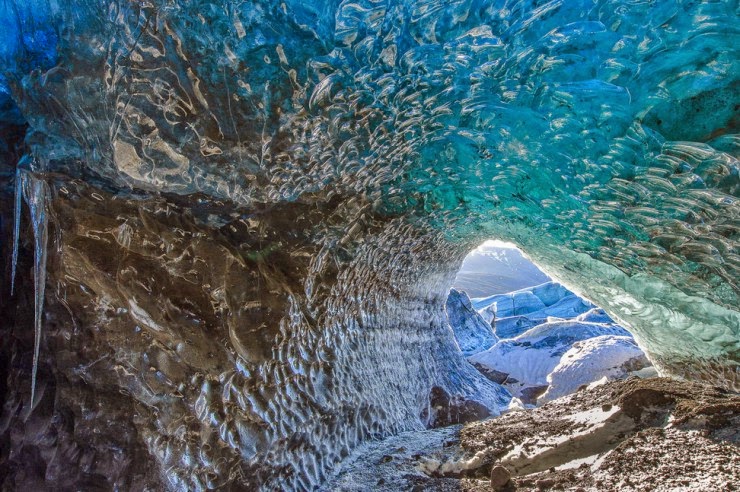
(542,342)
(611,357)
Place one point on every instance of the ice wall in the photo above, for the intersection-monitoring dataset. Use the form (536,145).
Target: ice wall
(258,208)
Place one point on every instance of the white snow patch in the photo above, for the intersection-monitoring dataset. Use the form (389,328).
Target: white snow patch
(434,466)
(593,416)
(596,360)
(588,460)
(597,383)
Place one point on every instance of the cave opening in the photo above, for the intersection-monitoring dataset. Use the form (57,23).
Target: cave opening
(252,214)
(530,334)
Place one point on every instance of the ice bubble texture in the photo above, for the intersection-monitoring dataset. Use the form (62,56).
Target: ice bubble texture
(257,208)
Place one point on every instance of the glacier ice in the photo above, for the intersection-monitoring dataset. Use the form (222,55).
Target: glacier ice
(472,333)
(35,193)
(258,209)
(18,193)
(514,313)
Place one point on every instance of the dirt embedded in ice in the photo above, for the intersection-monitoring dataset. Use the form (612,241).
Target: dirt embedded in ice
(653,434)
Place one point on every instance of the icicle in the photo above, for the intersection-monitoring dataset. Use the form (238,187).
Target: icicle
(16,225)
(36,192)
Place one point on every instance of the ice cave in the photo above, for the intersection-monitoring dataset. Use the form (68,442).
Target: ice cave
(228,232)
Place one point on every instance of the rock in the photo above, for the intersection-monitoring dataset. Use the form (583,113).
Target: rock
(447,410)
(530,394)
(544,484)
(628,418)
(492,374)
(500,477)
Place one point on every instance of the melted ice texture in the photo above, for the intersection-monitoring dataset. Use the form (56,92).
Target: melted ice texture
(598,135)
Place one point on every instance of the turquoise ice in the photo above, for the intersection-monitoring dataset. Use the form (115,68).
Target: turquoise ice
(374,143)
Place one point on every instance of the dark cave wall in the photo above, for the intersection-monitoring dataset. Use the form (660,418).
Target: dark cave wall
(256,352)
(255,211)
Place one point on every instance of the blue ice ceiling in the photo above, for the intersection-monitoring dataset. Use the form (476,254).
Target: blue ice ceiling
(370,145)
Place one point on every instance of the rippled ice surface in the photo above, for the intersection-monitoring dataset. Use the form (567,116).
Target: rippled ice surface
(247,215)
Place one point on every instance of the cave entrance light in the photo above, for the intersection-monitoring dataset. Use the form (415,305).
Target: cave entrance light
(529,333)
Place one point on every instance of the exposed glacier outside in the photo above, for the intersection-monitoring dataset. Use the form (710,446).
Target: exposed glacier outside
(228,229)
(539,342)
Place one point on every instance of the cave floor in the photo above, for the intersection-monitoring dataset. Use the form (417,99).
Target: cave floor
(652,434)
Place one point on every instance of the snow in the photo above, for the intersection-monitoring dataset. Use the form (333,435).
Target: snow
(531,357)
(595,315)
(548,340)
(609,357)
(593,416)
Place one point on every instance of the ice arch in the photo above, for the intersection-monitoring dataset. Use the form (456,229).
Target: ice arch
(255,209)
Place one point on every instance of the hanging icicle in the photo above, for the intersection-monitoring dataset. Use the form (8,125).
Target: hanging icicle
(36,193)
(16,225)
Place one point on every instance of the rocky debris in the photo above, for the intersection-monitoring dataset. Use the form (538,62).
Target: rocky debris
(500,478)
(530,394)
(652,435)
(544,483)
(640,434)
(447,410)
(415,458)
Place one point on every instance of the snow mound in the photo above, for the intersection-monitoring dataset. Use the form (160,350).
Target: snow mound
(595,315)
(522,364)
(610,357)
